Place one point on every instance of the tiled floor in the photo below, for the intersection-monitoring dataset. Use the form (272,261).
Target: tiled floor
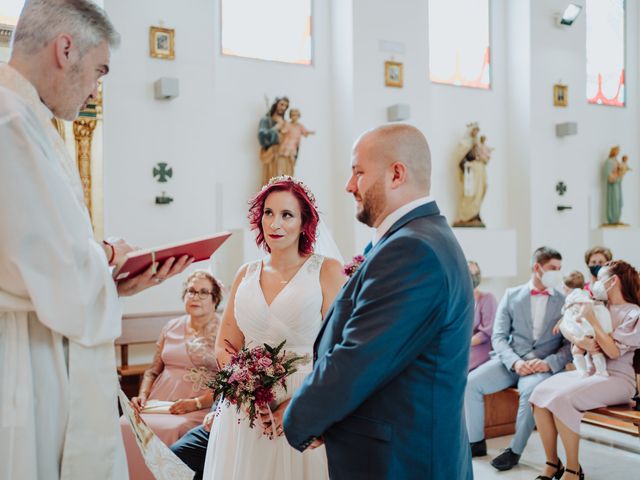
(605,455)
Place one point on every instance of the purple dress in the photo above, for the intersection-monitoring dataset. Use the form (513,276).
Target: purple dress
(485,313)
(568,396)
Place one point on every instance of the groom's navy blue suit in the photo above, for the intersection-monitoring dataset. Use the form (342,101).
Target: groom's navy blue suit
(387,388)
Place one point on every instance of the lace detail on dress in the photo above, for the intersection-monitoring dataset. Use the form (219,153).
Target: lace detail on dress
(314,263)
(253,268)
(201,349)
(199,377)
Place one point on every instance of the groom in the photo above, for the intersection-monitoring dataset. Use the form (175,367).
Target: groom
(386,391)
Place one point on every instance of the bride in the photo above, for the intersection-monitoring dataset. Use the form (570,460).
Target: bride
(284,296)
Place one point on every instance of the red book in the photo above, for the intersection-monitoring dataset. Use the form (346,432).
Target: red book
(199,248)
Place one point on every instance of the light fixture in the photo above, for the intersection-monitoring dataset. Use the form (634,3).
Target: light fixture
(570,14)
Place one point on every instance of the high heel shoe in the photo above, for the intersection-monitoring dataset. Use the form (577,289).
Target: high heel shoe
(579,473)
(559,471)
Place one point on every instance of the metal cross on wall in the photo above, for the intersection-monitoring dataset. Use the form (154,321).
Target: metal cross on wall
(162,172)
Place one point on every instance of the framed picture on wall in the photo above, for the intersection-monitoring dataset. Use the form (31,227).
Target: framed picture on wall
(393,74)
(161,43)
(560,95)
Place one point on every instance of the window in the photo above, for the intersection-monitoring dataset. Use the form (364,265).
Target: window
(10,11)
(606,52)
(459,43)
(278,30)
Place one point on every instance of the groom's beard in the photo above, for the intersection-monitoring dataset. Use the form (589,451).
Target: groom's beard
(373,203)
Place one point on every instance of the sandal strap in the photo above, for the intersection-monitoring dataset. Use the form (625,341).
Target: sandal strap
(578,473)
(557,467)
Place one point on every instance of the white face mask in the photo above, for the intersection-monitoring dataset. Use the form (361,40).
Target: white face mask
(551,278)
(600,291)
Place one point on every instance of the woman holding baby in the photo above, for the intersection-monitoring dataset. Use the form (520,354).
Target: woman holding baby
(560,401)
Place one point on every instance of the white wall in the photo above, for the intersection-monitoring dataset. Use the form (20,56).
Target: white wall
(405,22)
(208,134)
(558,54)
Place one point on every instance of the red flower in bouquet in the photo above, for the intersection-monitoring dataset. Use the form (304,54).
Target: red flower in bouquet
(350,268)
(253,376)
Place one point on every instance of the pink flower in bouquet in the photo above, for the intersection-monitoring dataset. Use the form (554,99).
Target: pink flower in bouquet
(264,362)
(239,376)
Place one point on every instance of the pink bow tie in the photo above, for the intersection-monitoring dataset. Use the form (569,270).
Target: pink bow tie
(539,292)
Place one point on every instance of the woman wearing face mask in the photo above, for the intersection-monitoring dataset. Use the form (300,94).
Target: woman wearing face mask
(485,313)
(595,258)
(560,401)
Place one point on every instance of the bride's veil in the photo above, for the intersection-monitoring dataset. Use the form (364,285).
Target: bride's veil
(325,244)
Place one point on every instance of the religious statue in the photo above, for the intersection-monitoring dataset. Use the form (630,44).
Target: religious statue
(270,135)
(614,171)
(473,157)
(293,132)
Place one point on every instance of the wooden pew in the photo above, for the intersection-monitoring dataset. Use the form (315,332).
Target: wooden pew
(500,411)
(622,418)
(138,329)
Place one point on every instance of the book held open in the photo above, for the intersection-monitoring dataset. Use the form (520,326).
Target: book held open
(199,248)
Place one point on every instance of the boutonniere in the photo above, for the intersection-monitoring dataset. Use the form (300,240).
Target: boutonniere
(350,268)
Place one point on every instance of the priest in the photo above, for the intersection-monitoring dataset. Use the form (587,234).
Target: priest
(59,309)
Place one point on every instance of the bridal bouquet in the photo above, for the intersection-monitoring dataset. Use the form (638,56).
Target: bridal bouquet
(253,377)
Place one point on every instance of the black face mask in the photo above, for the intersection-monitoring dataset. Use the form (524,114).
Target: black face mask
(594,269)
(475,280)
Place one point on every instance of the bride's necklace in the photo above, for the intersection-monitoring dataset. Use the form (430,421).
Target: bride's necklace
(283,280)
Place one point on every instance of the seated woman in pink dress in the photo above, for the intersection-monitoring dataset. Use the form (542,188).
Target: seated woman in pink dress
(183,365)
(560,401)
(485,314)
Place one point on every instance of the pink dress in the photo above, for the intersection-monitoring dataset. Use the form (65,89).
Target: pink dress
(186,363)
(568,396)
(485,314)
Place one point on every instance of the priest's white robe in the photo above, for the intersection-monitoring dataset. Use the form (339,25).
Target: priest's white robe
(59,310)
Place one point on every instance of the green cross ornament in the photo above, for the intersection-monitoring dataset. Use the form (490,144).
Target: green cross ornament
(162,172)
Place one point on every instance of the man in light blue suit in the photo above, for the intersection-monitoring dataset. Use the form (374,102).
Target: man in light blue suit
(526,351)
(386,391)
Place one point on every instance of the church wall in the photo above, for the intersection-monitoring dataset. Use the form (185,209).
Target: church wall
(208,134)
(557,56)
(440,111)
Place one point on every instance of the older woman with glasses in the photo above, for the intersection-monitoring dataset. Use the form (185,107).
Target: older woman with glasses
(183,364)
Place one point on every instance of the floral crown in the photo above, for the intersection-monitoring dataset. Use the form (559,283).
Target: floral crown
(288,178)
(473,125)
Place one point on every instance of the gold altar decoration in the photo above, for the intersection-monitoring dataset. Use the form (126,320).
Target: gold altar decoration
(5,34)
(83,129)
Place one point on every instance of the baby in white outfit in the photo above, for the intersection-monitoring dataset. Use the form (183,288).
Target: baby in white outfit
(573,326)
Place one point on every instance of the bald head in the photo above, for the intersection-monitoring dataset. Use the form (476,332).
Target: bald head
(400,143)
(390,167)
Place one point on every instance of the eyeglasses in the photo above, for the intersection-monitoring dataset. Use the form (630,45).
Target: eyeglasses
(201,294)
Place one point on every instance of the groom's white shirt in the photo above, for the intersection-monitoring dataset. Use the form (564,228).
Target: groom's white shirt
(396,215)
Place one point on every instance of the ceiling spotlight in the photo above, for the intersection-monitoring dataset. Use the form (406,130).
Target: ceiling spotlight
(570,14)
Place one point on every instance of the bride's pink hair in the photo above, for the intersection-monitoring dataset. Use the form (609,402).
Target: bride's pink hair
(310,217)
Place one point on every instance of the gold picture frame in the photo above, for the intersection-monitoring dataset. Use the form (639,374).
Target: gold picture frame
(393,75)
(560,95)
(162,43)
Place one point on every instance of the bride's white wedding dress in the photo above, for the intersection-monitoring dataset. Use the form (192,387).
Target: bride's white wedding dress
(235,451)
